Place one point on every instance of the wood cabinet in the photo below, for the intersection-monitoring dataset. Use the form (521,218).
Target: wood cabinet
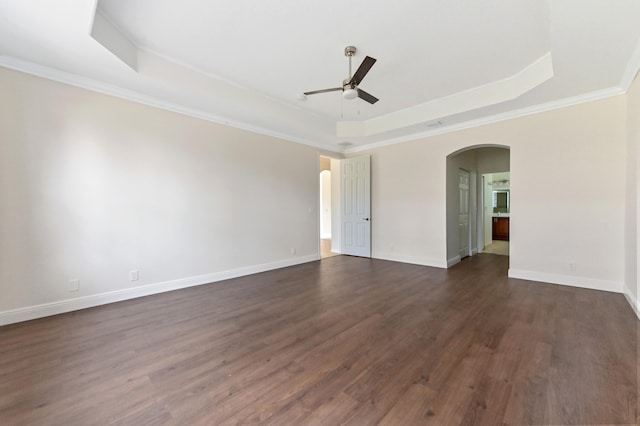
(501,228)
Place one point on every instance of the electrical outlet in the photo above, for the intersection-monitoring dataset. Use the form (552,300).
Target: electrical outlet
(133,275)
(293,250)
(572,267)
(74,285)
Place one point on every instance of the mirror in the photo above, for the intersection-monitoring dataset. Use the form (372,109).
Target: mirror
(501,201)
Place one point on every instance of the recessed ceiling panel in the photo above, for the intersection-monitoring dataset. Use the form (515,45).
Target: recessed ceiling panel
(430,49)
(246,63)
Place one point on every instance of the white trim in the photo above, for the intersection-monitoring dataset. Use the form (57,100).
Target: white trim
(568,280)
(635,304)
(68,305)
(133,96)
(392,257)
(534,109)
(454,260)
(111,90)
(632,68)
(114,40)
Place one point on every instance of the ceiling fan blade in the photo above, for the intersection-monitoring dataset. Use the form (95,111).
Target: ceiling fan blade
(314,92)
(367,96)
(362,70)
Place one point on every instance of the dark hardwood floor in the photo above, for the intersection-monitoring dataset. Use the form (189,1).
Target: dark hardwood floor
(342,341)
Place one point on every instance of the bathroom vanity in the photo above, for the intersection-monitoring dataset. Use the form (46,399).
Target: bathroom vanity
(500,228)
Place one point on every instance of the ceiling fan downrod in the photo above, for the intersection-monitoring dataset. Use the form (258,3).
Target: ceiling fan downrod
(349,90)
(349,51)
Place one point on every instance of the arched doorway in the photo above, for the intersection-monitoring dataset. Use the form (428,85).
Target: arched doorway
(469,205)
(329,225)
(325,204)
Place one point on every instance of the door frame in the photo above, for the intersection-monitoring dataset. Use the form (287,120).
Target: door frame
(356,206)
(336,201)
(469,251)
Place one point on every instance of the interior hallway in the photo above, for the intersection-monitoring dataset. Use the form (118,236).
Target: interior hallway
(497,247)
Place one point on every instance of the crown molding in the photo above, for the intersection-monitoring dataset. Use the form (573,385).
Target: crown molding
(535,109)
(632,68)
(133,96)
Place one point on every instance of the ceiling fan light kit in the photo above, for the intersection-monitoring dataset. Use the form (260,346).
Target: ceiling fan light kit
(349,93)
(350,89)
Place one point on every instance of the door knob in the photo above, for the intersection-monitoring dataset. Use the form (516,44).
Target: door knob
(365,218)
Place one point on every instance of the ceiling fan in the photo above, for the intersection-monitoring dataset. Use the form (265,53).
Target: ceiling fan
(350,89)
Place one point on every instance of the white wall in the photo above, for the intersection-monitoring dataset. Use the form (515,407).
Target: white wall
(94,187)
(325,204)
(336,212)
(487,208)
(632,216)
(567,185)
(498,180)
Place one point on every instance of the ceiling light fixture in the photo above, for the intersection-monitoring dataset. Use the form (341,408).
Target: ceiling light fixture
(350,93)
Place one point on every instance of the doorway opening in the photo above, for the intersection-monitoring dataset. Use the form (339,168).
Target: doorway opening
(345,206)
(329,206)
(496,208)
(478,207)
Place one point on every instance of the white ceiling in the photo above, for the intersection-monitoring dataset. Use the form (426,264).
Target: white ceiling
(246,63)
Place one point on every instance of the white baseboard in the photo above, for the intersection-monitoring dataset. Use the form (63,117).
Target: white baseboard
(407,259)
(453,261)
(635,304)
(569,280)
(68,305)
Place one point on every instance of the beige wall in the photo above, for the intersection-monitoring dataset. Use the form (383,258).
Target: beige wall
(632,259)
(493,160)
(93,187)
(567,185)
(325,164)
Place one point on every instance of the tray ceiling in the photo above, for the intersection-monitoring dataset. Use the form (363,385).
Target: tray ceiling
(441,65)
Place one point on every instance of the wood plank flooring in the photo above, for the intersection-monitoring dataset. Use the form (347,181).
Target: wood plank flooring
(341,341)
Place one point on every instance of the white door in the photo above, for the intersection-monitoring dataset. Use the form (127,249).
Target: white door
(356,206)
(325,205)
(463,216)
